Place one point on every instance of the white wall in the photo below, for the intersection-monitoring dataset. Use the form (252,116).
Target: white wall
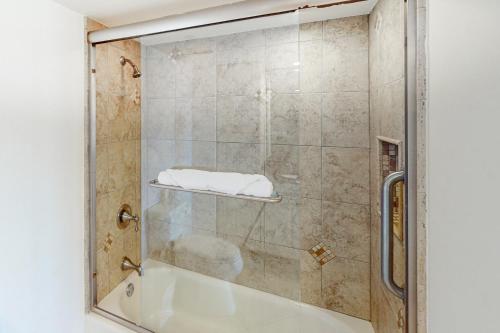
(41,164)
(464,166)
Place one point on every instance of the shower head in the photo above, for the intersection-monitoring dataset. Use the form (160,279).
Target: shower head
(137,73)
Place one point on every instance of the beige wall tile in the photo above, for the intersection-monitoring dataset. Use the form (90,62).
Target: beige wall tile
(346,175)
(287,34)
(347,229)
(241,119)
(122,161)
(284,80)
(296,119)
(241,157)
(282,56)
(311,31)
(159,118)
(195,74)
(196,154)
(294,223)
(310,280)
(346,120)
(244,40)
(346,287)
(345,56)
(282,271)
(102,276)
(103,183)
(160,81)
(295,170)
(241,79)
(240,218)
(312,78)
(195,119)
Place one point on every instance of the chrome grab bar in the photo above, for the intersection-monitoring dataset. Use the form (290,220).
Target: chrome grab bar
(386,238)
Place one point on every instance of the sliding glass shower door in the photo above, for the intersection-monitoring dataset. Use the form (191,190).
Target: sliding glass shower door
(315,103)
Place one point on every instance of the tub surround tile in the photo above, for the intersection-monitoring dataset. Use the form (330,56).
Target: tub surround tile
(195,154)
(122,159)
(116,253)
(282,271)
(282,56)
(387,36)
(102,68)
(160,81)
(196,46)
(241,157)
(310,280)
(103,183)
(390,104)
(346,287)
(295,171)
(195,75)
(312,77)
(296,119)
(241,119)
(160,155)
(195,119)
(344,70)
(102,122)
(187,209)
(345,54)
(124,118)
(346,120)
(352,29)
(346,175)
(102,276)
(103,223)
(346,228)
(241,79)
(311,31)
(240,218)
(160,118)
(286,34)
(245,40)
(284,80)
(294,223)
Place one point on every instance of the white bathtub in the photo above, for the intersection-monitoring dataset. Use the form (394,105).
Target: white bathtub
(168,299)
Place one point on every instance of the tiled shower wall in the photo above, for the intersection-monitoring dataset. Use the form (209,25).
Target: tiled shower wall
(290,103)
(387,109)
(118,160)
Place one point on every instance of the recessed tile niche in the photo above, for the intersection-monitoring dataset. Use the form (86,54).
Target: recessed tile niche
(390,161)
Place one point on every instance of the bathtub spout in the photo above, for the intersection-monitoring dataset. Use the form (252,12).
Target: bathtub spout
(128,264)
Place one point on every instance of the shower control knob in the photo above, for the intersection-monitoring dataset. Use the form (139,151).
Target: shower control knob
(124,217)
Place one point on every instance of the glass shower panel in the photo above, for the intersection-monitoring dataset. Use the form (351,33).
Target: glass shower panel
(277,96)
(227,98)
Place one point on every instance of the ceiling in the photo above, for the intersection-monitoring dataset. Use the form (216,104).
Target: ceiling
(118,12)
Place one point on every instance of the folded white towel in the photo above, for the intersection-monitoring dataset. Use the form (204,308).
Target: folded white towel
(225,182)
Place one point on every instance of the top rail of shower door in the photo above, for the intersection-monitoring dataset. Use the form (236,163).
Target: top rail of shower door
(275,198)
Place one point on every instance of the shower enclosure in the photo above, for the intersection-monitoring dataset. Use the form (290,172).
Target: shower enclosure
(314,98)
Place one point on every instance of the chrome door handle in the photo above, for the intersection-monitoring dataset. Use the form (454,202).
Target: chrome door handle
(387,256)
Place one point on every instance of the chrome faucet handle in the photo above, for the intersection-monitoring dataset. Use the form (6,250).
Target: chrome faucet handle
(124,217)
(128,264)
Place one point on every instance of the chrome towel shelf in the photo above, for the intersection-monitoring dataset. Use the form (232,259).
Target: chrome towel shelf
(275,198)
